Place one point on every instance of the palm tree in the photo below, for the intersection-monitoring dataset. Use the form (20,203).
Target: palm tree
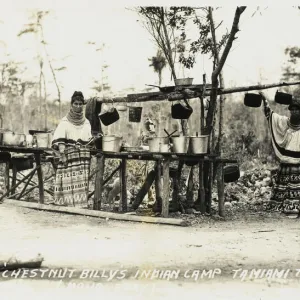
(158,63)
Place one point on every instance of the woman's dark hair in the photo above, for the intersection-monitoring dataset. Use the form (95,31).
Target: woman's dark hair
(77,96)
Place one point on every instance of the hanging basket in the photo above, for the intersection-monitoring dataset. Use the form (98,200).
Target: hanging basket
(135,114)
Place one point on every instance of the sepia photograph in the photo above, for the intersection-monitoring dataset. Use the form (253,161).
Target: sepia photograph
(149,150)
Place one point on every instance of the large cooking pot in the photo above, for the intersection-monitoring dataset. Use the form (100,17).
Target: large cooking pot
(252,100)
(11,138)
(112,143)
(159,144)
(43,140)
(283,98)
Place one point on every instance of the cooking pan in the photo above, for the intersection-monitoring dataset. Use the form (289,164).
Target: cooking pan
(32,132)
(164,89)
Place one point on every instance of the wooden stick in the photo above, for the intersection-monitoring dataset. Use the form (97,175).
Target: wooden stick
(123,183)
(99,214)
(158,187)
(25,186)
(201,192)
(166,189)
(99,183)
(144,190)
(7,176)
(40,177)
(220,183)
(107,179)
(14,178)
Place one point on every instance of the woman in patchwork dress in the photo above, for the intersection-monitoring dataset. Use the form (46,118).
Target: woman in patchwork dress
(70,137)
(285,132)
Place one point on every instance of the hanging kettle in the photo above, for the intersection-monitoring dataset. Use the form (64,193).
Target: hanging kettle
(109,117)
(180,111)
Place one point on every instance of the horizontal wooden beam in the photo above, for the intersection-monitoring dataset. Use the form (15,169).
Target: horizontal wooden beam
(189,93)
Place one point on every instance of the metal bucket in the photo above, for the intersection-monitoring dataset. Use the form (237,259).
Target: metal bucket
(43,140)
(180,144)
(159,144)
(111,143)
(199,144)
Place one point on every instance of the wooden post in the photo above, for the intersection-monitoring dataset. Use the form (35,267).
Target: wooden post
(7,176)
(166,189)
(211,182)
(220,183)
(123,183)
(201,191)
(99,182)
(158,187)
(14,178)
(40,176)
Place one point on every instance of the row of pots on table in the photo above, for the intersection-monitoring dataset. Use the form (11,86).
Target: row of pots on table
(40,139)
(177,144)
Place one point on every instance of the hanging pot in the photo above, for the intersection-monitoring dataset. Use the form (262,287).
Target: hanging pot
(252,100)
(135,114)
(180,111)
(231,173)
(283,98)
(184,81)
(109,117)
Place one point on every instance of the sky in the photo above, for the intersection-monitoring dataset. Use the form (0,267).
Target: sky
(257,54)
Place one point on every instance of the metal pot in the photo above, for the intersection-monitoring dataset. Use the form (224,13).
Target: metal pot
(180,144)
(11,138)
(252,100)
(159,144)
(112,143)
(43,140)
(199,144)
(231,173)
(184,81)
(283,98)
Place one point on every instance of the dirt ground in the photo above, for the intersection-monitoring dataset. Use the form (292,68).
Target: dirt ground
(102,249)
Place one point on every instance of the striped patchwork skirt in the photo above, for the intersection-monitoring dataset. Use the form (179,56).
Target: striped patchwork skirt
(286,189)
(72,181)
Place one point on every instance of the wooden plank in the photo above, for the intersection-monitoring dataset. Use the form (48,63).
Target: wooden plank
(190,93)
(98,214)
(166,189)
(7,176)
(40,177)
(123,183)
(158,187)
(14,178)
(99,182)
(201,191)
(211,182)
(144,190)
(220,183)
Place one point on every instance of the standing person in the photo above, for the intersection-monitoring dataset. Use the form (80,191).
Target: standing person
(285,132)
(70,137)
